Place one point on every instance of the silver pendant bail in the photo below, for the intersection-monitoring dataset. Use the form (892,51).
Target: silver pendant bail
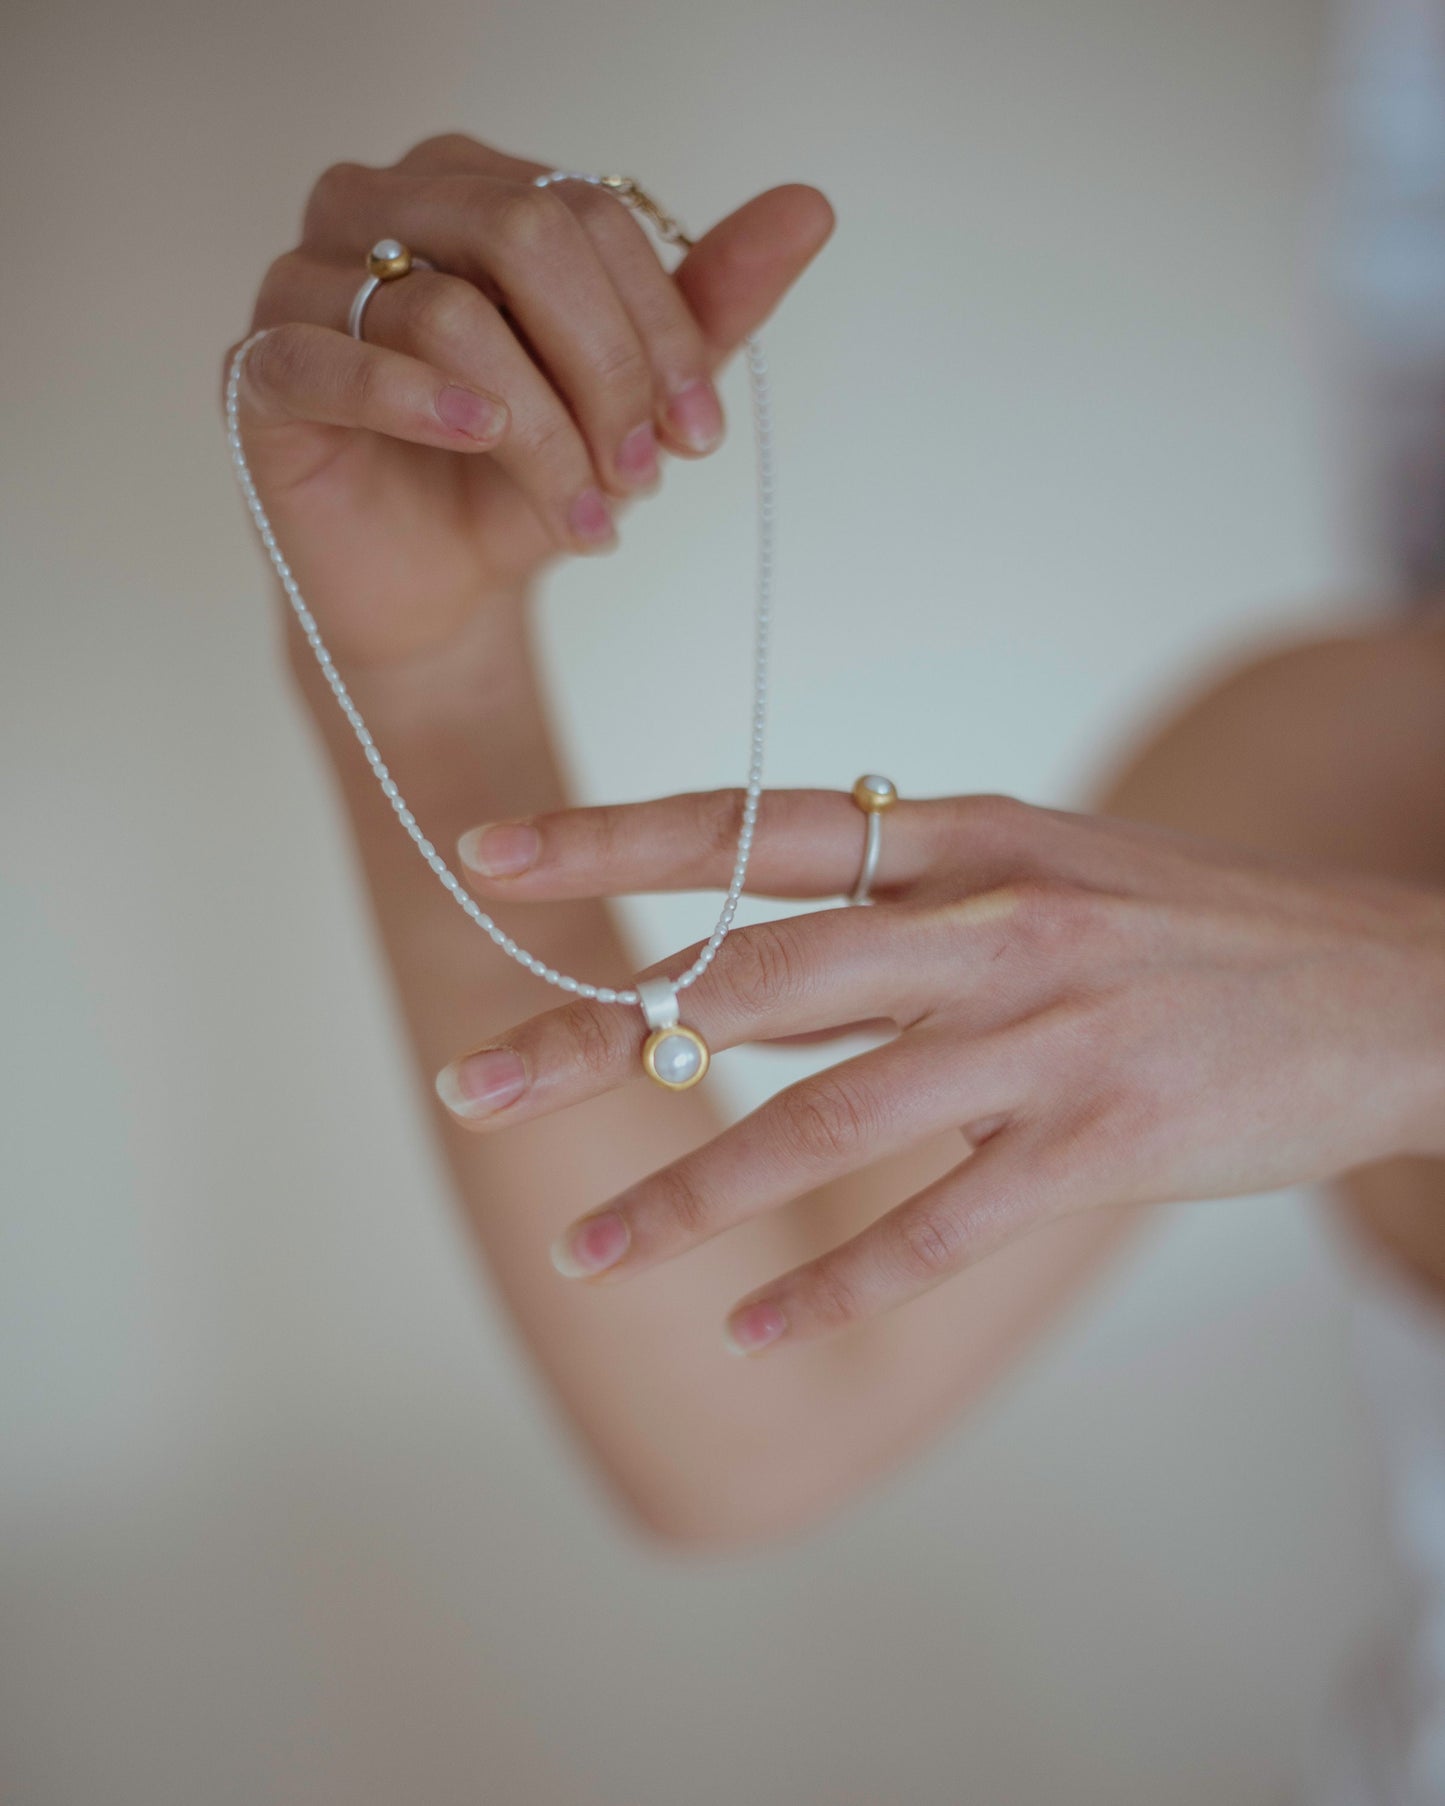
(658,997)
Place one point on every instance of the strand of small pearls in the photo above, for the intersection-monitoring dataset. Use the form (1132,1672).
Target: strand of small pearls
(763,438)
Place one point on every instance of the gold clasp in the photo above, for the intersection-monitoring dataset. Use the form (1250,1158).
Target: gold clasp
(629,190)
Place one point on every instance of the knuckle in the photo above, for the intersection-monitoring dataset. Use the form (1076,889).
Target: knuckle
(279,361)
(827,1121)
(604,836)
(280,283)
(600,211)
(684,1203)
(1065,1041)
(994,809)
(445,313)
(442,148)
(930,1244)
(592,1043)
(762,967)
(833,1298)
(331,194)
(622,364)
(547,436)
(996,824)
(1052,914)
(719,813)
(368,382)
(531,222)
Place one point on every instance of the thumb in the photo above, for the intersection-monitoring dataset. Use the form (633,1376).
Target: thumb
(736,274)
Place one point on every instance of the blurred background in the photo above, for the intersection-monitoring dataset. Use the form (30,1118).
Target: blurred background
(284,1517)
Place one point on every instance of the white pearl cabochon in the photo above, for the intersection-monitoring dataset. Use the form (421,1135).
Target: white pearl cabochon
(676,1058)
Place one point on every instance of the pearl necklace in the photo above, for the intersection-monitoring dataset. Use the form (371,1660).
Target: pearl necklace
(673,1055)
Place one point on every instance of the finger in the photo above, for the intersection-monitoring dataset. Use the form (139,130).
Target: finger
(524,248)
(300,371)
(827,1126)
(447,323)
(1014,1182)
(738,272)
(821,1037)
(807,843)
(688,412)
(730,281)
(774,978)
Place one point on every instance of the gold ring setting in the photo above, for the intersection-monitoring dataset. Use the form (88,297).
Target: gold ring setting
(388,260)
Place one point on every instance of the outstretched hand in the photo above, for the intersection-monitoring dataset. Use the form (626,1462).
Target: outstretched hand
(1108,1013)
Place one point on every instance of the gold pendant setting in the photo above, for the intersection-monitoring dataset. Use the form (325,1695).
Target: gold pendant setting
(673,1056)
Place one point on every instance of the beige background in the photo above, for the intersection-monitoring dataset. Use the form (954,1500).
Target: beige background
(283,1517)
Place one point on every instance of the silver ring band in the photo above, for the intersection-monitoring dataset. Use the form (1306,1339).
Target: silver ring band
(874,795)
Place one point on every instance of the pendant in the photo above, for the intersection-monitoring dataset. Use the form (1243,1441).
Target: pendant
(673,1056)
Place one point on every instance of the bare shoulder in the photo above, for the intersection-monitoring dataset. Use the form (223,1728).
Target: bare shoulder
(1330,747)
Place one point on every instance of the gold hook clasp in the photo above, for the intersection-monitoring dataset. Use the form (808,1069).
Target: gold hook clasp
(629,190)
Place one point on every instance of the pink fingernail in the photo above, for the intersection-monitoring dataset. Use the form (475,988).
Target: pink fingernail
(591,520)
(464,411)
(481,1083)
(637,455)
(500,849)
(754,1327)
(695,415)
(591,1246)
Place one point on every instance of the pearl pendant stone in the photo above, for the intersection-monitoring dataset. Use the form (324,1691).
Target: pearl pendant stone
(675,1057)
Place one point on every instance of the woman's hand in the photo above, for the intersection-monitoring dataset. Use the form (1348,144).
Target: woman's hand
(1109,1014)
(501,406)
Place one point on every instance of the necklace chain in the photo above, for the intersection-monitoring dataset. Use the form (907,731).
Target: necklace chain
(763,438)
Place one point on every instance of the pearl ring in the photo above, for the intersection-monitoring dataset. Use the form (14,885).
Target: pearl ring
(387,261)
(874,796)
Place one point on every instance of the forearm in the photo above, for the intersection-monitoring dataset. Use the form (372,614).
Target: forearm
(468,741)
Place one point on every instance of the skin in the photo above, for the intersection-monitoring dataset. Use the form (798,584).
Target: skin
(1328,750)
(1107,1012)
(1024,970)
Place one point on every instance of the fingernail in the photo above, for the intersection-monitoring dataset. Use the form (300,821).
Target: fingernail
(481,1083)
(591,1246)
(500,849)
(464,411)
(637,455)
(754,1327)
(695,415)
(591,519)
